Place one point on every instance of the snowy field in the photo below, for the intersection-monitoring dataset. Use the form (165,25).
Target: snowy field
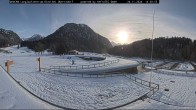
(12,96)
(22,59)
(182,89)
(176,92)
(154,64)
(184,66)
(168,65)
(72,92)
(194,63)
(82,93)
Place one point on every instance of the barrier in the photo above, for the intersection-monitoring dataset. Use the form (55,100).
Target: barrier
(85,66)
(83,75)
(153,87)
(188,74)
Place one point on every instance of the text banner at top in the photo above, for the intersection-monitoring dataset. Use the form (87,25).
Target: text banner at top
(83,1)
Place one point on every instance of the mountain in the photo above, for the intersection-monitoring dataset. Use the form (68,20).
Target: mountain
(176,48)
(8,37)
(79,37)
(35,37)
(114,44)
(75,36)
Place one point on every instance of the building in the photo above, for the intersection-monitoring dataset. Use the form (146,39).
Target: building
(73,52)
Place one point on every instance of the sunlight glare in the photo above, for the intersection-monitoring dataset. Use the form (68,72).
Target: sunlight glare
(122,37)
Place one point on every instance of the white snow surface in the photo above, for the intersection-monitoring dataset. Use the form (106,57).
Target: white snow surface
(12,96)
(71,92)
(168,65)
(182,90)
(181,94)
(94,93)
(194,63)
(154,63)
(184,66)
(82,93)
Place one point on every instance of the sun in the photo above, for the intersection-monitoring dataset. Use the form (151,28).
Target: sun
(122,37)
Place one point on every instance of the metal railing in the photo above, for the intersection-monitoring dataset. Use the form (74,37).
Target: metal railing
(188,74)
(85,66)
(83,75)
(153,87)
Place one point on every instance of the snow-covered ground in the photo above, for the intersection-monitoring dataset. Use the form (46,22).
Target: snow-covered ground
(71,92)
(177,73)
(176,92)
(168,65)
(154,64)
(139,59)
(184,66)
(82,93)
(194,63)
(25,59)
(150,104)
(182,90)
(12,96)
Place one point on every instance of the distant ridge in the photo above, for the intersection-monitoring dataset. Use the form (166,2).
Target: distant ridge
(8,38)
(35,37)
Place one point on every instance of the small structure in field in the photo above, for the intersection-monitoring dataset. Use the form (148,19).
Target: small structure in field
(73,52)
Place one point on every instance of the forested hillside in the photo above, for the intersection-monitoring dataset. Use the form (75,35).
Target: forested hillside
(177,48)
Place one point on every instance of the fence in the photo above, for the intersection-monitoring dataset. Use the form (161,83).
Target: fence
(83,75)
(153,87)
(85,66)
(188,74)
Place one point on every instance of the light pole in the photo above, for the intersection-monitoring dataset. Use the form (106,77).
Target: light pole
(152,48)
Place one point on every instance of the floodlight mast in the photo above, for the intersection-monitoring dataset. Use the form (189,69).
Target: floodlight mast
(152,48)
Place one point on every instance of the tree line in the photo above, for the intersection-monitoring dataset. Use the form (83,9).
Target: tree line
(40,47)
(176,48)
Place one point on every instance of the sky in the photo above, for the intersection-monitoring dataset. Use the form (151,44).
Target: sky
(172,18)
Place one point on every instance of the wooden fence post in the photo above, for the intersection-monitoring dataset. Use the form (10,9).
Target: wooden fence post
(8,63)
(39,60)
